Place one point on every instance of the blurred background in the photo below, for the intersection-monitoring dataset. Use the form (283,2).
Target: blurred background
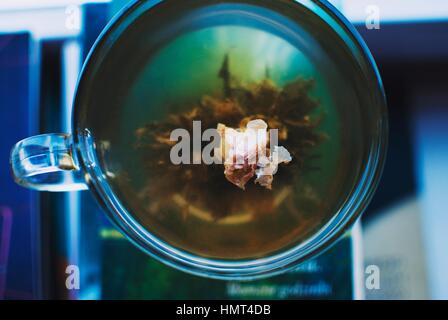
(43,44)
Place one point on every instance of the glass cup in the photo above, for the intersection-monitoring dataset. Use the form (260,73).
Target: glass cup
(299,66)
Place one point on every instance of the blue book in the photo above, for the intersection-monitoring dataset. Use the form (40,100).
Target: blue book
(18,111)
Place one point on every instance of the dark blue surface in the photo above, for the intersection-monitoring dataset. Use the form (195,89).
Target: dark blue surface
(19,120)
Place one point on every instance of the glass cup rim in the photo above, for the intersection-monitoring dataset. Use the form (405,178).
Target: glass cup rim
(275,264)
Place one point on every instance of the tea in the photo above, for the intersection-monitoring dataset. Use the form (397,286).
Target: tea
(215,203)
(228,65)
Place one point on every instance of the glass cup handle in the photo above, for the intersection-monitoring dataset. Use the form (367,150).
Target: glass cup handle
(47,163)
